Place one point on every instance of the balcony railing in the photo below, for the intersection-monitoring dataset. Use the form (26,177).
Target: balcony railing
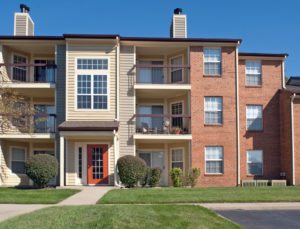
(38,123)
(20,73)
(162,74)
(162,124)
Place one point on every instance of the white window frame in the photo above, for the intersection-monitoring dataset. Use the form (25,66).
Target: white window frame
(260,74)
(92,72)
(182,69)
(10,159)
(219,62)
(12,67)
(262,162)
(262,117)
(205,160)
(183,112)
(222,112)
(183,157)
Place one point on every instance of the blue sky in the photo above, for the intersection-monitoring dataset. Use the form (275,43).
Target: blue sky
(264,25)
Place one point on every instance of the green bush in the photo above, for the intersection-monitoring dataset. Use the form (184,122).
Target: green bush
(176,177)
(155,177)
(41,168)
(146,179)
(193,176)
(131,170)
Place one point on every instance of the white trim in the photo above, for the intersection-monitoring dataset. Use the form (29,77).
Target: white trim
(262,162)
(237,116)
(260,74)
(67,79)
(212,47)
(164,87)
(183,157)
(10,159)
(182,69)
(205,172)
(92,72)
(62,161)
(28,136)
(283,74)
(183,112)
(163,136)
(118,79)
(293,139)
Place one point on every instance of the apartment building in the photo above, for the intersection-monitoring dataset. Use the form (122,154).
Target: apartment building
(174,102)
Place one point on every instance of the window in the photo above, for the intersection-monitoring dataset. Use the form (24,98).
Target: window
(44,120)
(177,158)
(92,64)
(254,117)
(214,160)
(253,73)
(49,152)
(92,84)
(213,110)
(176,72)
(18,160)
(212,61)
(177,109)
(19,72)
(255,162)
(44,73)
(19,121)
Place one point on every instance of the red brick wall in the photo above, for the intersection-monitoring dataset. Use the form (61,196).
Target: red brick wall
(267,140)
(297,140)
(224,135)
(285,135)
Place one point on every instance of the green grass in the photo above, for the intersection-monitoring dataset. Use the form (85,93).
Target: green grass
(34,196)
(201,195)
(120,216)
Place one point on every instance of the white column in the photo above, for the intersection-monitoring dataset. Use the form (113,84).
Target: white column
(61,161)
(116,152)
(30,153)
(1,154)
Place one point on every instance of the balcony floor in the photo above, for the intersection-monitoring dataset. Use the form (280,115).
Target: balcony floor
(163,136)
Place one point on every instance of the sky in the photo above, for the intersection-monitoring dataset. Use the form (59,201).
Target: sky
(264,25)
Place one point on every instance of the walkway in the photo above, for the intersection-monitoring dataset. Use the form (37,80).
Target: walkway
(87,196)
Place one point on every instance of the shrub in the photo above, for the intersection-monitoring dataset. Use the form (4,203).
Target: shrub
(155,177)
(193,176)
(146,179)
(176,177)
(131,170)
(41,168)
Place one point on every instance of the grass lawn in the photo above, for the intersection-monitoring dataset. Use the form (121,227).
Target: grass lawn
(120,216)
(201,195)
(34,196)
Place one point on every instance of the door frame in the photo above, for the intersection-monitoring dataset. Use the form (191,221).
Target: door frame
(84,180)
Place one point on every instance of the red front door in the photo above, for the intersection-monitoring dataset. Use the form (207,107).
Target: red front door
(97,164)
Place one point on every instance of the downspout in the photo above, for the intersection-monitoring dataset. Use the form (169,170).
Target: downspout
(238,115)
(293,140)
(118,79)
(283,73)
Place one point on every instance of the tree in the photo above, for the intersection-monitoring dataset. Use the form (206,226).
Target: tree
(14,109)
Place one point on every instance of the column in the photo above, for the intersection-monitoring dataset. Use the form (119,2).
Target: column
(62,161)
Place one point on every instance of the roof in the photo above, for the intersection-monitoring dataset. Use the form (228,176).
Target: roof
(114,36)
(293,84)
(88,126)
(263,54)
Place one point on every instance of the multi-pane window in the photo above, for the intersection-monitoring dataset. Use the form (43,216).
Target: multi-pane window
(177,158)
(212,61)
(214,157)
(255,162)
(92,64)
(92,84)
(254,117)
(177,110)
(19,72)
(92,92)
(18,160)
(213,110)
(176,72)
(253,73)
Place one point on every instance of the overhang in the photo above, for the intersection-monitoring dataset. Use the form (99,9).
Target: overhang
(89,126)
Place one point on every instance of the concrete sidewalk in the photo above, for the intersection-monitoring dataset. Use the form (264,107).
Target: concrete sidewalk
(252,206)
(87,196)
(11,210)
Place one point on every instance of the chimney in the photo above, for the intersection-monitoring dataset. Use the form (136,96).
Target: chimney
(23,24)
(178,26)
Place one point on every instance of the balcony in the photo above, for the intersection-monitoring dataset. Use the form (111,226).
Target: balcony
(41,126)
(25,77)
(162,79)
(161,126)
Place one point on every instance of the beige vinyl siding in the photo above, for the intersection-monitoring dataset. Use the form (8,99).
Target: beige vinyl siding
(76,50)
(127,101)
(179,26)
(7,177)
(21,21)
(70,155)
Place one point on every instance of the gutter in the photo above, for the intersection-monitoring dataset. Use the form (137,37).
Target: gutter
(293,140)
(238,117)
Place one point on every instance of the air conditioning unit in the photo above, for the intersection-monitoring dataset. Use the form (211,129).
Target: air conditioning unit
(248,183)
(262,183)
(278,183)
